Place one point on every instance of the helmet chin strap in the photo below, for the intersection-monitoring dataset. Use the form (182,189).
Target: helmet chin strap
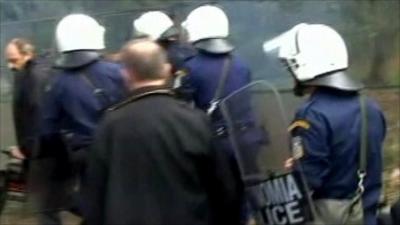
(299,89)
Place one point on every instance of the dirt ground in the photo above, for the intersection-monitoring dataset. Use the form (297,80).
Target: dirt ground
(20,213)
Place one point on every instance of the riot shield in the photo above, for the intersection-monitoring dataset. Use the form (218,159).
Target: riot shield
(257,128)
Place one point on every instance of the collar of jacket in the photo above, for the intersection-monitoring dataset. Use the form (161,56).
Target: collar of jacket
(332,93)
(214,45)
(29,64)
(142,93)
(76,59)
(26,70)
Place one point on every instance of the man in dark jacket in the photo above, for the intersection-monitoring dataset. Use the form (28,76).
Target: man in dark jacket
(152,161)
(32,73)
(30,76)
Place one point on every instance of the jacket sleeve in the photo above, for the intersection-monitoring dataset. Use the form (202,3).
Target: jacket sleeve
(37,82)
(229,189)
(40,77)
(310,132)
(95,182)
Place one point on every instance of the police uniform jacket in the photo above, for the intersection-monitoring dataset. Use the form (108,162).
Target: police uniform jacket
(204,73)
(152,163)
(178,53)
(74,105)
(329,125)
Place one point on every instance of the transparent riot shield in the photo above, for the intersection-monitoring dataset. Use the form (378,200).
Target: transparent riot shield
(257,128)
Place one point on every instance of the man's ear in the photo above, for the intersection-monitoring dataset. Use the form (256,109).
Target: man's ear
(127,77)
(167,69)
(28,57)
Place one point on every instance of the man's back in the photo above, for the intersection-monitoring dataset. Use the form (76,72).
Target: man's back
(205,71)
(72,104)
(160,165)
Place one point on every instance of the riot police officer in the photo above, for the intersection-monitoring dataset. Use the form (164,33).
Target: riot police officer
(326,129)
(215,72)
(83,88)
(159,27)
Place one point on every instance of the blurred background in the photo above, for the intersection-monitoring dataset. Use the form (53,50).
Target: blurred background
(371,29)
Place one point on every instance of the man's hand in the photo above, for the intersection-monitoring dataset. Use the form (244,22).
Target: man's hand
(16,153)
(289,163)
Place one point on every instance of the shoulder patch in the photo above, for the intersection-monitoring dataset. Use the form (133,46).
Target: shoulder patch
(299,123)
(181,72)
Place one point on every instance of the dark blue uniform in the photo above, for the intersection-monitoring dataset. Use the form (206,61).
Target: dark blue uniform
(71,112)
(329,125)
(205,71)
(200,85)
(72,107)
(178,53)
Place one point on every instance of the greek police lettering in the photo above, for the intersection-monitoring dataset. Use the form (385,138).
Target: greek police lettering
(284,201)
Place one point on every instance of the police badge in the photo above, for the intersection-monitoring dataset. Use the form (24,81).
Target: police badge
(297,147)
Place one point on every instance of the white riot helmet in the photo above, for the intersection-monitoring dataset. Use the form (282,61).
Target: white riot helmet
(79,37)
(153,24)
(79,32)
(316,55)
(208,28)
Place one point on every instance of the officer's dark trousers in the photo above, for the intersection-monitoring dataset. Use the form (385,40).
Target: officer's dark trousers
(78,160)
(222,143)
(249,140)
(395,212)
(50,190)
